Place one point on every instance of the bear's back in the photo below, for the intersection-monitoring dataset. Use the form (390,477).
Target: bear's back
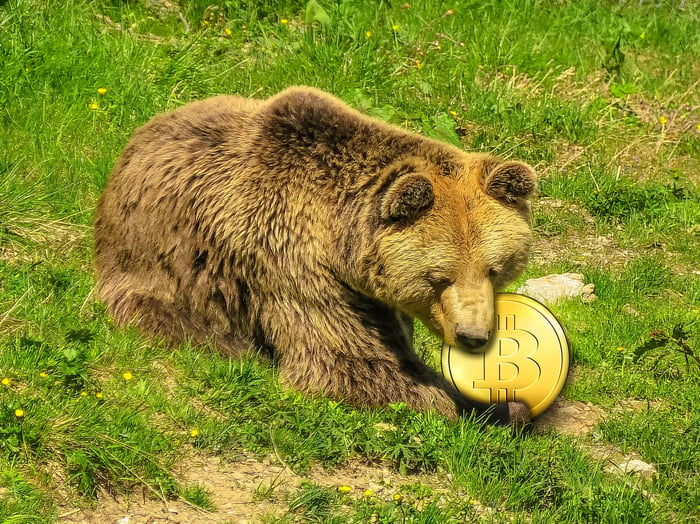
(199,129)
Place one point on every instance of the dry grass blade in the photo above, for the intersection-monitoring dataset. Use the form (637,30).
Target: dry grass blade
(6,319)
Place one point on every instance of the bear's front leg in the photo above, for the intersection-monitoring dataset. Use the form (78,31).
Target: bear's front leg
(379,381)
(369,367)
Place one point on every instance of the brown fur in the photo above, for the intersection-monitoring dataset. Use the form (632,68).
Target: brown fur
(300,227)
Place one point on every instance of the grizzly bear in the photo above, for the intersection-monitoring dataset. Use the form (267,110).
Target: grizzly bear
(300,228)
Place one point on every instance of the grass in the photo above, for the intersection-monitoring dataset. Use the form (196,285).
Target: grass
(600,96)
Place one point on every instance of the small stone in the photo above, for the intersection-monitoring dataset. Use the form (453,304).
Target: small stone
(629,310)
(588,294)
(554,288)
(636,466)
(377,487)
(569,410)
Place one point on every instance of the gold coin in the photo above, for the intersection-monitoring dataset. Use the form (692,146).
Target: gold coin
(526,360)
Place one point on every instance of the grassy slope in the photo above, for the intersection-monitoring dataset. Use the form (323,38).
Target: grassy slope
(522,79)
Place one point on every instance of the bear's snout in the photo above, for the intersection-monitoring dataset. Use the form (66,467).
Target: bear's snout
(471,338)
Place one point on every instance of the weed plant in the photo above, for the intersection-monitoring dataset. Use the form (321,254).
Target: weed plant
(600,96)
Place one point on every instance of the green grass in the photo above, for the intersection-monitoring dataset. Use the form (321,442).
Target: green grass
(599,96)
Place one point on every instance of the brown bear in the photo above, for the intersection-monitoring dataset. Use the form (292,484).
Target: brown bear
(299,227)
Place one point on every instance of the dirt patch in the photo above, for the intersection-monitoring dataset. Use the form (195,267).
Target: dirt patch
(639,137)
(569,234)
(570,417)
(580,418)
(652,157)
(249,490)
(587,249)
(556,241)
(244,491)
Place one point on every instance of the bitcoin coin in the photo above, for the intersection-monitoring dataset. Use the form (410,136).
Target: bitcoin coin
(526,359)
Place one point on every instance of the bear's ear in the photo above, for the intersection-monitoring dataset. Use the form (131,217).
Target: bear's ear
(407,197)
(510,181)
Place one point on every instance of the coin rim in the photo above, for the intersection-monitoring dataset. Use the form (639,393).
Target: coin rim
(538,408)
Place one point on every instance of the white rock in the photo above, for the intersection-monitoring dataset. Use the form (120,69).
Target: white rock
(635,466)
(553,288)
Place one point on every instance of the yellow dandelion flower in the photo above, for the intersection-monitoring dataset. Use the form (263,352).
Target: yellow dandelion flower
(206,22)
(43,374)
(398,497)
(368,34)
(643,36)
(83,393)
(698,126)
(194,433)
(227,31)
(419,65)
(662,120)
(344,489)
(127,375)
(368,493)
(284,21)
(395,27)
(453,113)
(5,381)
(19,413)
(99,394)
(93,106)
(102,91)
(619,348)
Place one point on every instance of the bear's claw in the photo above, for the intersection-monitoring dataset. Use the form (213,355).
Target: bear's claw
(518,413)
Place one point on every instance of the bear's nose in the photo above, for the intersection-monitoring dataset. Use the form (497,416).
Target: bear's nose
(470,337)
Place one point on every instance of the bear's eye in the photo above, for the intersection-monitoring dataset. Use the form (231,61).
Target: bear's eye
(493,273)
(438,280)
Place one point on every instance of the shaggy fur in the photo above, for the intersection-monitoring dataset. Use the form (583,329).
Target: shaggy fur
(299,227)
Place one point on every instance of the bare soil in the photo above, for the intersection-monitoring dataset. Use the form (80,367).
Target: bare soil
(249,490)
(244,491)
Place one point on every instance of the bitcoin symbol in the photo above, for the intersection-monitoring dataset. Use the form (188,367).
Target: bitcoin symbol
(511,368)
(526,360)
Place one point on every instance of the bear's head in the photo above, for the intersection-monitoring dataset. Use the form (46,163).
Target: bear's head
(447,243)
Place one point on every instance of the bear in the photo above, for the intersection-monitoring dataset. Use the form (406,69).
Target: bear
(298,228)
